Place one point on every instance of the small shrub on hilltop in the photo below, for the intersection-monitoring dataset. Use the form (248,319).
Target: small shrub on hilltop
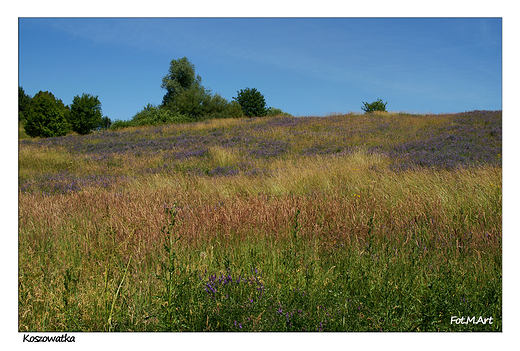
(377,105)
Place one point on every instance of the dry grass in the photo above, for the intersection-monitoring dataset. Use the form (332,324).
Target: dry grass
(344,185)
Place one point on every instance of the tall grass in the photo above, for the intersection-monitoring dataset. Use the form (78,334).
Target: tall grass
(257,233)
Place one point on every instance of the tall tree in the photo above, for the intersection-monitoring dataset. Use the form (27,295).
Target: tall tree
(181,77)
(85,113)
(46,116)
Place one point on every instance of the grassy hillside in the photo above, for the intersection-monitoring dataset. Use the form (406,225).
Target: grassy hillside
(370,222)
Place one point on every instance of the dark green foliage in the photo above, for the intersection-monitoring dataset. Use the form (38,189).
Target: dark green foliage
(85,113)
(23,104)
(252,102)
(46,116)
(378,105)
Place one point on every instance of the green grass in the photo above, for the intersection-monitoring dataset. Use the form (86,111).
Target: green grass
(315,243)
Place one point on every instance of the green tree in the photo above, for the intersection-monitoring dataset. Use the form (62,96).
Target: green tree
(252,102)
(85,113)
(185,94)
(23,104)
(378,105)
(46,116)
(181,77)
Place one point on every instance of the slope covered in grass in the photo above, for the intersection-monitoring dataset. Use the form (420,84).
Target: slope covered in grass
(342,223)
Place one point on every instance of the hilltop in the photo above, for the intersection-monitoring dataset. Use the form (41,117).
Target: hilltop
(246,146)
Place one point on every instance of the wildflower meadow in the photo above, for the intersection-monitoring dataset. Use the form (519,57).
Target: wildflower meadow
(346,222)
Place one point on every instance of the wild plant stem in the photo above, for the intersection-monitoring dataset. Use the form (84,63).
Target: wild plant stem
(116,294)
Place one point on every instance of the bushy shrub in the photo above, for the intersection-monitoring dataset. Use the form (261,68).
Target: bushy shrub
(377,105)
(218,107)
(272,111)
(154,115)
(197,103)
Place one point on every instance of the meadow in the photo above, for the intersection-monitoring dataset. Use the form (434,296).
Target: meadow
(347,222)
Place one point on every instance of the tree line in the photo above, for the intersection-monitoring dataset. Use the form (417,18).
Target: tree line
(186,100)
(46,116)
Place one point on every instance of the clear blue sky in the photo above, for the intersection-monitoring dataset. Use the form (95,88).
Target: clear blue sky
(304,66)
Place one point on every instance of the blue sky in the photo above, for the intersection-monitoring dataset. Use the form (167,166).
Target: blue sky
(304,66)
